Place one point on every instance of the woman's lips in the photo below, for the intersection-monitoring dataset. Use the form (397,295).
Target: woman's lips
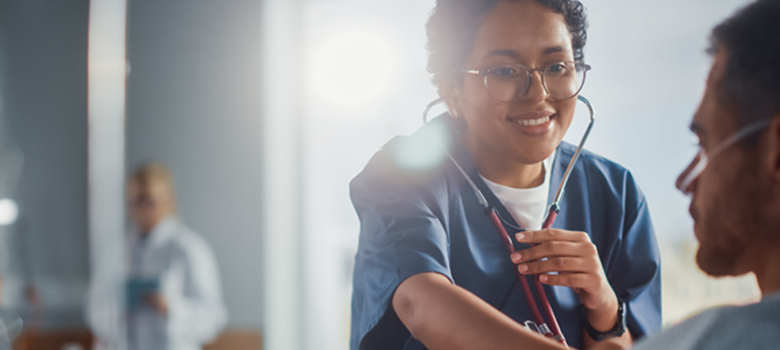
(533,124)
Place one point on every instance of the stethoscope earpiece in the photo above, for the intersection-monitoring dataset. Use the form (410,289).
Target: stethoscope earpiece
(428,108)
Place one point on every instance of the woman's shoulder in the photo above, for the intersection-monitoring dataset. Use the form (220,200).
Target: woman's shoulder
(417,161)
(601,171)
(590,159)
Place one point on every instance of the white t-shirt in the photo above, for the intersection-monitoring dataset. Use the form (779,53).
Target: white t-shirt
(528,206)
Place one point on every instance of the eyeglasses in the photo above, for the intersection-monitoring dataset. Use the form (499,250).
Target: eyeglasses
(561,80)
(701,160)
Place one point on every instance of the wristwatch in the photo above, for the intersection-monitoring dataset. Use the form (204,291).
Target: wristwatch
(618,330)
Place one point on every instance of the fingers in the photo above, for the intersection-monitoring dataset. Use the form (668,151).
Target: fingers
(568,264)
(157,301)
(571,254)
(152,299)
(555,249)
(551,234)
(572,280)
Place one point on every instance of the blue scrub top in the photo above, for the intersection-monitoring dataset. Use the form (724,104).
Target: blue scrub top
(418,214)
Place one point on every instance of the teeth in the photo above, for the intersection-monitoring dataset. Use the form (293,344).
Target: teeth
(532,122)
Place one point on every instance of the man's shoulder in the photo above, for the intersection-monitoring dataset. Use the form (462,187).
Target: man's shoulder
(681,336)
(751,326)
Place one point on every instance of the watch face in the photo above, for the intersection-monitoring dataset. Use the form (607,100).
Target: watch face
(620,324)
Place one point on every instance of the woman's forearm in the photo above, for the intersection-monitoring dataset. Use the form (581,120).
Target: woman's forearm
(444,316)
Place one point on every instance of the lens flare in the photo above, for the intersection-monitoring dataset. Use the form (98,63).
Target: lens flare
(9,211)
(353,68)
(423,151)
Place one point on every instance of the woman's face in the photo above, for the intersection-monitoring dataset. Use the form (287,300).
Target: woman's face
(531,34)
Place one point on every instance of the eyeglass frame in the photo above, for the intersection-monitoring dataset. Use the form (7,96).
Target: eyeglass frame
(702,160)
(529,71)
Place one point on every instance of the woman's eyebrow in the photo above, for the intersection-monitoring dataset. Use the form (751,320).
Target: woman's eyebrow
(503,52)
(553,49)
(515,54)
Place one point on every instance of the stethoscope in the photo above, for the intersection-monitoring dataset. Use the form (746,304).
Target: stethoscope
(553,330)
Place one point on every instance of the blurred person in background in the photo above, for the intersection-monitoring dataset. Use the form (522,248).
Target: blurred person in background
(173,298)
(431,270)
(10,322)
(734,183)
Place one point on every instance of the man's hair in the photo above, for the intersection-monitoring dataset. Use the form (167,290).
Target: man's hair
(153,172)
(751,38)
(453,26)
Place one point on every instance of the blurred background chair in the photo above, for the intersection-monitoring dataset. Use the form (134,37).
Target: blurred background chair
(70,339)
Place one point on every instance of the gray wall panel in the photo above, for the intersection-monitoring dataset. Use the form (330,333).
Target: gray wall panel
(193,103)
(43,85)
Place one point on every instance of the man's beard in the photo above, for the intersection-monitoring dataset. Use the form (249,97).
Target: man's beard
(721,255)
(735,230)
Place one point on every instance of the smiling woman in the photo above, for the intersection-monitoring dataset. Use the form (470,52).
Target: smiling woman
(505,137)
(430,270)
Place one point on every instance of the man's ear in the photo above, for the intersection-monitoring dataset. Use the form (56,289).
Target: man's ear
(448,91)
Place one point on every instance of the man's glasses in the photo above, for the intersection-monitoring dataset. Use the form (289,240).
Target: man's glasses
(562,80)
(701,160)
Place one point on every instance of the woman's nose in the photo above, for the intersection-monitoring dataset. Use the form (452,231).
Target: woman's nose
(535,90)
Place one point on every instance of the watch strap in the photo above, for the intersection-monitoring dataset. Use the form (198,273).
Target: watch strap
(618,330)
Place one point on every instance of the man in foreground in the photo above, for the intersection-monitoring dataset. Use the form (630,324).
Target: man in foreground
(734,183)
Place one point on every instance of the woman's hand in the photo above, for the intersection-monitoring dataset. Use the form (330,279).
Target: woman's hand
(575,258)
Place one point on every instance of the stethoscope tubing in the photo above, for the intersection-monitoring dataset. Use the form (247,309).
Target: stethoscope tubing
(537,316)
(552,329)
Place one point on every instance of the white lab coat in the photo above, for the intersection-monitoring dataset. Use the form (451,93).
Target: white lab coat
(189,281)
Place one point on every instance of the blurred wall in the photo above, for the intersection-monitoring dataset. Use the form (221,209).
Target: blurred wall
(43,112)
(192,103)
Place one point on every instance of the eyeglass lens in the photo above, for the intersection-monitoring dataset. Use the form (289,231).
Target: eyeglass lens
(561,80)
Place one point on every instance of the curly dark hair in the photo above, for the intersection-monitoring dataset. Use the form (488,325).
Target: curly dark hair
(453,24)
(751,83)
